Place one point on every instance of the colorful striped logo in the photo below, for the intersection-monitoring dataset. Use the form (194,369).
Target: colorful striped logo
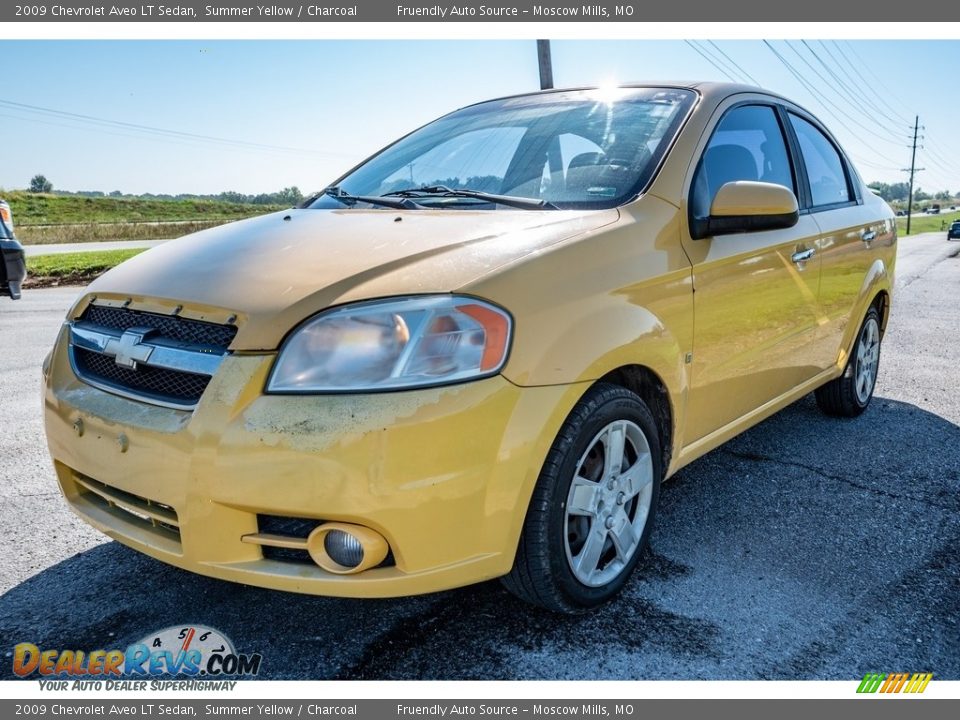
(894,682)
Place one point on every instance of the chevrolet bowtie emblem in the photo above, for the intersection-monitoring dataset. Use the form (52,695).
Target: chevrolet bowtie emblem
(129,349)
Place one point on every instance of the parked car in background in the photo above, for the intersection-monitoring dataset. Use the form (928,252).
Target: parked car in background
(953,233)
(13,268)
(478,353)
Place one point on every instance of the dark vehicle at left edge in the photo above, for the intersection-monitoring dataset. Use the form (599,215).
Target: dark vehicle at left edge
(13,266)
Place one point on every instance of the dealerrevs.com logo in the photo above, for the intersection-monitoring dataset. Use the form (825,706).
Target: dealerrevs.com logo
(192,651)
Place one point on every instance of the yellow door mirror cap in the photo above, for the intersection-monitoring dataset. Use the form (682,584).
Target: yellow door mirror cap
(746,206)
(744,198)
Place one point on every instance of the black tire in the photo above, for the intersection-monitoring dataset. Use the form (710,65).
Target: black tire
(841,397)
(542,573)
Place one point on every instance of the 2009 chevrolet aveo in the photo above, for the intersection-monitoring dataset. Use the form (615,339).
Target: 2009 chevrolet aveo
(478,353)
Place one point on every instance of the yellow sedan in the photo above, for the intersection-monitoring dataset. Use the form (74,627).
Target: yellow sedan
(480,352)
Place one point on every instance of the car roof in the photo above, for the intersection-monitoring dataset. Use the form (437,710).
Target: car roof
(710,90)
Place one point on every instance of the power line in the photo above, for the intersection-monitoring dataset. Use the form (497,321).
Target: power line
(729,66)
(942,148)
(936,161)
(890,92)
(874,165)
(821,99)
(844,96)
(931,159)
(732,62)
(937,182)
(156,131)
(105,131)
(711,61)
(875,103)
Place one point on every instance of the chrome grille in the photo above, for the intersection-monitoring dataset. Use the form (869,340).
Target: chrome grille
(161,359)
(151,382)
(195,332)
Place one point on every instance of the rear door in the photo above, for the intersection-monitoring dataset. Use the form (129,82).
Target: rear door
(853,233)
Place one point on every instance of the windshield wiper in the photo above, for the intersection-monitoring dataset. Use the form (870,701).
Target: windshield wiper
(521,203)
(347,199)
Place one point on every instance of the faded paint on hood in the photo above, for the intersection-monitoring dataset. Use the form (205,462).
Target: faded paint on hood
(273,272)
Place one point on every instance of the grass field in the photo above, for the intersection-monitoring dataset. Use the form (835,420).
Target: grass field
(99,232)
(44,218)
(74,268)
(927,223)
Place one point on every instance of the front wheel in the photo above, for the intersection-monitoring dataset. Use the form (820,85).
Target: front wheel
(849,394)
(593,507)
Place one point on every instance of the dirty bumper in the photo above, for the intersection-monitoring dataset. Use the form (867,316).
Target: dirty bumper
(443,474)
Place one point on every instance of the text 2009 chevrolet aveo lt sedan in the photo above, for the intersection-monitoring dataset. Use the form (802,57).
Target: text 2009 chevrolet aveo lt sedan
(478,353)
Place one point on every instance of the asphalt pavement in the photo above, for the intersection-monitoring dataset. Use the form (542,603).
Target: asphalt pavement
(808,547)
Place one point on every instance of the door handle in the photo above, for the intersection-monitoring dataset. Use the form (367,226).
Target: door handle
(868,236)
(803,255)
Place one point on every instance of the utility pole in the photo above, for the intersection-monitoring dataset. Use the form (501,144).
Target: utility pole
(546,65)
(913,170)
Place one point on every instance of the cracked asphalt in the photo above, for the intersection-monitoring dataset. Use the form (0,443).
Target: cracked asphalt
(806,548)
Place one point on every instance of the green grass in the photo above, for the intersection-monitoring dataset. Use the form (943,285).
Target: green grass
(99,232)
(76,267)
(39,208)
(44,218)
(927,223)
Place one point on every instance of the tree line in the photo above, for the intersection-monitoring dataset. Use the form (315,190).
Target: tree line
(900,192)
(287,196)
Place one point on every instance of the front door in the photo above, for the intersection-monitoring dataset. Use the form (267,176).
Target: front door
(756,308)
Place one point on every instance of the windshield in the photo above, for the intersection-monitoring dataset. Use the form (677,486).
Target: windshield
(585,149)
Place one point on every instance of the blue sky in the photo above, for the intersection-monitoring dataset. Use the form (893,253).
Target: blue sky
(279,113)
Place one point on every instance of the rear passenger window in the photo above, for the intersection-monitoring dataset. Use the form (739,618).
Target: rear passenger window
(748,144)
(828,181)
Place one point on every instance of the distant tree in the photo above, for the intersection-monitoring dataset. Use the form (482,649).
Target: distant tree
(290,196)
(919,194)
(943,195)
(232,196)
(40,184)
(891,192)
(116,193)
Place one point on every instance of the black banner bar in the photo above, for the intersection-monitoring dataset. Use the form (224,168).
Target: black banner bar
(431,709)
(474,11)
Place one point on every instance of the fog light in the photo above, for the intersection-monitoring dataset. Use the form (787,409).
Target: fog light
(343,548)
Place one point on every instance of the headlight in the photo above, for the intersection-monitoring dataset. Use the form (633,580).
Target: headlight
(393,344)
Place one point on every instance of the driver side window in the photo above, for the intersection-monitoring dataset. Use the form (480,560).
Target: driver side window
(747,144)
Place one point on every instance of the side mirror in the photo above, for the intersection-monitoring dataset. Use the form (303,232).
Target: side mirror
(745,206)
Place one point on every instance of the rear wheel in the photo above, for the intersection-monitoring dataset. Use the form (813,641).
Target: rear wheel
(593,507)
(849,394)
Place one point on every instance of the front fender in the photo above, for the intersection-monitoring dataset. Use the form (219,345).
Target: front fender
(648,325)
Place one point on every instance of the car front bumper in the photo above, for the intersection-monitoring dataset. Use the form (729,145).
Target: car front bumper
(443,474)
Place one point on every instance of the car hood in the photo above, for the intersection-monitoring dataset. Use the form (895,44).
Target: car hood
(274,271)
